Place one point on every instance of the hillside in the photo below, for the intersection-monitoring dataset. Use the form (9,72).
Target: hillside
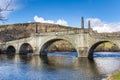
(17,31)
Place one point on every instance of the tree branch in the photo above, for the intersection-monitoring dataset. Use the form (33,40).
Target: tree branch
(2,18)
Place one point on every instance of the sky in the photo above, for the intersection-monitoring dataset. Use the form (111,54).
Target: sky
(103,14)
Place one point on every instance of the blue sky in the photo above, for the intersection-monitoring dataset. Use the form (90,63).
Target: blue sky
(102,13)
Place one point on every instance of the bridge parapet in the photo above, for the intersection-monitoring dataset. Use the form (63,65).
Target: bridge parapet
(105,35)
(66,32)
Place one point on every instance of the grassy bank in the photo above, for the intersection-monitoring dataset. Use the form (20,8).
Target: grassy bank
(107,47)
(115,76)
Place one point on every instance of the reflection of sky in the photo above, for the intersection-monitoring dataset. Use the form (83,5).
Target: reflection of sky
(106,54)
(56,68)
(107,65)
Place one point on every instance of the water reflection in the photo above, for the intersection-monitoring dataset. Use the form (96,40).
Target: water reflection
(107,54)
(55,68)
(107,65)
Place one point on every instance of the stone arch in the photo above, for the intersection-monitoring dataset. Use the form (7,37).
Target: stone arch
(26,48)
(94,46)
(10,50)
(45,45)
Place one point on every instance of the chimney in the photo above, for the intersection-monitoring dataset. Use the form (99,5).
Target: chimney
(82,22)
(89,26)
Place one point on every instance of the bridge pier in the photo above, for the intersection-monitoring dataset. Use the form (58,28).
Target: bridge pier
(17,51)
(82,52)
(36,51)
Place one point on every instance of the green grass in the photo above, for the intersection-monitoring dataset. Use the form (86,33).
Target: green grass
(108,45)
(115,76)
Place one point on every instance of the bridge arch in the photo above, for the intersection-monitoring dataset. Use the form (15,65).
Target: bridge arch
(94,46)
(10,50)
(43,49)
(26,48)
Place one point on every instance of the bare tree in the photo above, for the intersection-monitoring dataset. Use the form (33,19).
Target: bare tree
(6,8)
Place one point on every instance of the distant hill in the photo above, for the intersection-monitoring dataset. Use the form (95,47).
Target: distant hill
(23,30)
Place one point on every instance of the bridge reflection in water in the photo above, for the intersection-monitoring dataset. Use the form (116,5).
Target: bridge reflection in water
(21,67)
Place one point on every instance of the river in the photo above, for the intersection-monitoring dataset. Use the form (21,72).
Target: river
(58,66)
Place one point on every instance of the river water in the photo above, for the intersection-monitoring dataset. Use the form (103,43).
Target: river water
(58,66)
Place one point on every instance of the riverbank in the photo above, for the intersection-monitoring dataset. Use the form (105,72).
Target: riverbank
(115,76)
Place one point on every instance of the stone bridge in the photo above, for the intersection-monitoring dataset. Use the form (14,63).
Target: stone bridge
(83,40)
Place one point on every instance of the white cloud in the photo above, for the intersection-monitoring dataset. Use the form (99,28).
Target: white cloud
(3,3)
(61,22)
(101,26)
(42,20)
